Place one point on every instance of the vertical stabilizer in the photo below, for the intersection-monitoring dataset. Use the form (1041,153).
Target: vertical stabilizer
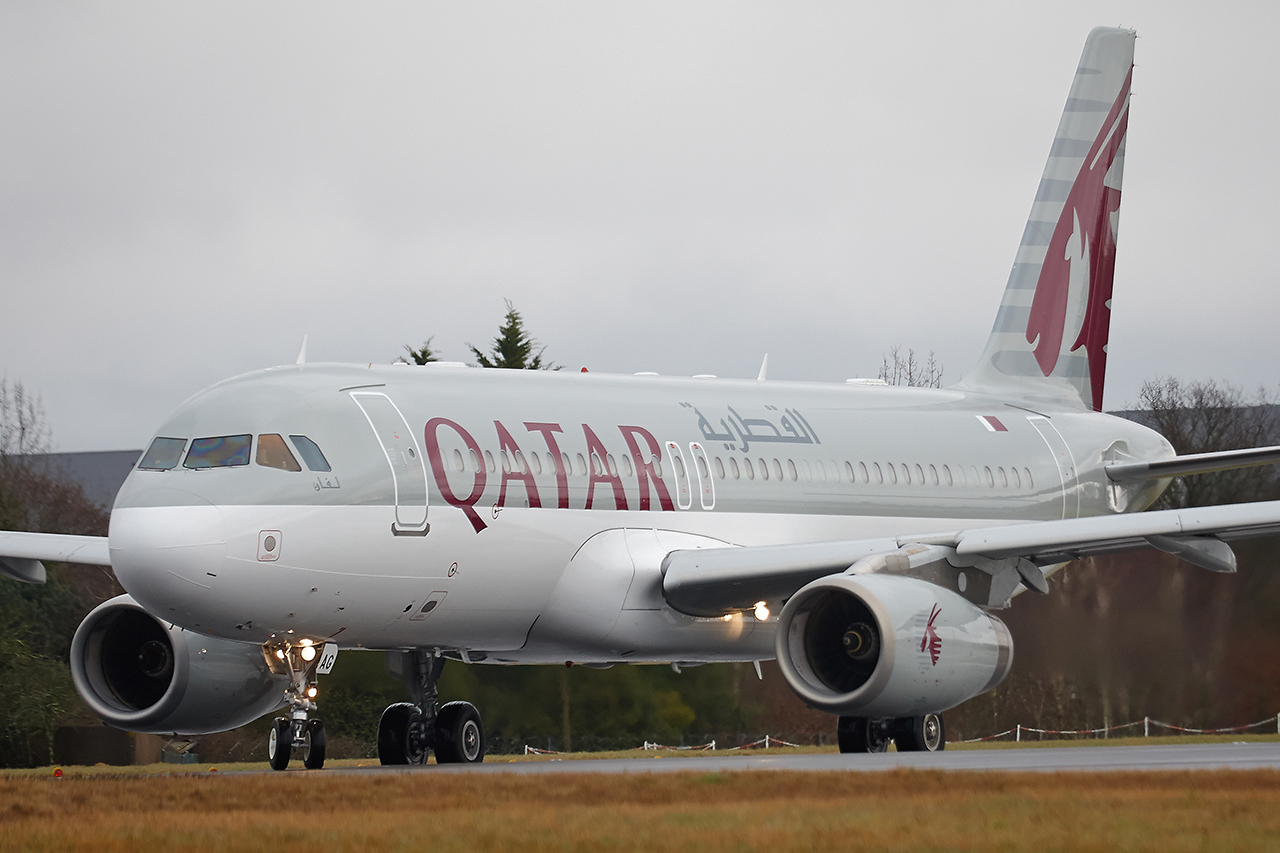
(1049,341)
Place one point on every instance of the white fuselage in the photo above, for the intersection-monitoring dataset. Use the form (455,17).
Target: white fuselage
(523,516)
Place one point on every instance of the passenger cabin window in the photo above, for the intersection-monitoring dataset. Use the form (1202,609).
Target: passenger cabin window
(163,454)
(274,453)
(224,451)
(310,453)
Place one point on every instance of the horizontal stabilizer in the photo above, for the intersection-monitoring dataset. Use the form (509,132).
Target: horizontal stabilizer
(1193,463)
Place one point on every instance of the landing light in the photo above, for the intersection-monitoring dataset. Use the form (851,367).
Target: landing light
(308,652)
(280,654)
(762,611)
(311,692)
(728,617)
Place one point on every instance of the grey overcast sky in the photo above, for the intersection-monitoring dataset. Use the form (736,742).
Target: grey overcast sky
(186,189)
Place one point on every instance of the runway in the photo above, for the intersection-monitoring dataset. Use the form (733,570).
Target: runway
(1231,756)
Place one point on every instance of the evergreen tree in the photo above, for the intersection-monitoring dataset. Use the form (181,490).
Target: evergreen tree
(513,348)
(424,355)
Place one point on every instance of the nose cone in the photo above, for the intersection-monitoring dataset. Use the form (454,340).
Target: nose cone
(168,555)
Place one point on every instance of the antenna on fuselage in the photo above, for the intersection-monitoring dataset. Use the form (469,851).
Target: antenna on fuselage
(302,353)
(764,368)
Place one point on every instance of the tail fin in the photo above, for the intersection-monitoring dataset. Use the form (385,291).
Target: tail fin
(1050,337)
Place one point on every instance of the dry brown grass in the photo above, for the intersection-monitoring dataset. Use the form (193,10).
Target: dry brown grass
(777,811)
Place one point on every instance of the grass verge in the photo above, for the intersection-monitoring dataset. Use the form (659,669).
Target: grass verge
(782,811)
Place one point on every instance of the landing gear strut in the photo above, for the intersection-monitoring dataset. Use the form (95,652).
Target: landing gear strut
(872,734)
(302,663)
(409,731)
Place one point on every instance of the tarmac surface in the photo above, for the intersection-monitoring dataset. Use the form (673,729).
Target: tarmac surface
(1230,756)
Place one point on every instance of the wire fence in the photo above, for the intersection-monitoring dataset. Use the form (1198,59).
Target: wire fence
(1146,727)
(717,741)
(1147,723)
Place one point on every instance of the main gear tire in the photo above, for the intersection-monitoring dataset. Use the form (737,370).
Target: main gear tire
(861,734)
(402,736)
(920,734)
(459,734)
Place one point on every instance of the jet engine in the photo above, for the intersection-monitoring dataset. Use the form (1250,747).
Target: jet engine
(144,675)
(886,646)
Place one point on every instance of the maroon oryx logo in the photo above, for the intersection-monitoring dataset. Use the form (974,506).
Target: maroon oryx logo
(931,640)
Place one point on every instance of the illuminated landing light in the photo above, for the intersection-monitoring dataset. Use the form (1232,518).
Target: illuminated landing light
(728,617)
(762,611)
(312,692)
(308,653)
(280,654)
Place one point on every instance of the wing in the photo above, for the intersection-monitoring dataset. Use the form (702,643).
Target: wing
(715,582)
(21,553)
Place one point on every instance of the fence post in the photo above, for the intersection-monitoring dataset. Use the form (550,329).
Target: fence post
(1018,735)
(1146,727)
(766,741)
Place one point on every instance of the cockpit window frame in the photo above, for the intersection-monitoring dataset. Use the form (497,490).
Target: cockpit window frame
(274,453)
(312,456)
(238,457)
(154,449)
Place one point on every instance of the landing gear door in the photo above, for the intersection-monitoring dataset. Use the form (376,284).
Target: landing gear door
(404,456)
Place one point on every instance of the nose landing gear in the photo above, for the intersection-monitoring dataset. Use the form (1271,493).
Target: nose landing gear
(302,663)
(409,731)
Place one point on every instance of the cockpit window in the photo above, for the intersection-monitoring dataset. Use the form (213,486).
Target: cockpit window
(310,453)
(163,454)
(274,453)
(221,452)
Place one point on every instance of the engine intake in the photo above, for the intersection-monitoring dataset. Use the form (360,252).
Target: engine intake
(144,675)
(887,646)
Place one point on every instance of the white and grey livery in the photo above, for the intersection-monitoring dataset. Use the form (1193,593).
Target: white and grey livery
(862,535)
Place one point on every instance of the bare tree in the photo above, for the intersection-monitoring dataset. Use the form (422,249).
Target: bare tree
(23,430)
(1203,416)
(897,369)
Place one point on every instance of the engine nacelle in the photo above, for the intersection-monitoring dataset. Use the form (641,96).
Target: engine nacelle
(884,646)
(144,675)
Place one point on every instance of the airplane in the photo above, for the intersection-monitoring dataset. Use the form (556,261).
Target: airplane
(865,536)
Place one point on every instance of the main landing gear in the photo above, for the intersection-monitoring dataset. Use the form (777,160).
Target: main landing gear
(409,731)
(872,734)
(297,733)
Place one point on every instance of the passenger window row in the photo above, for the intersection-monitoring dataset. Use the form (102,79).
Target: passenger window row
(232,451)
(865,473)
(874,473)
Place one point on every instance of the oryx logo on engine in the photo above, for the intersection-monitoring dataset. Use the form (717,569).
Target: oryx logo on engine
(931,640)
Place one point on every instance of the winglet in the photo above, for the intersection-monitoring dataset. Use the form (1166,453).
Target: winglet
(764,368)
(302,353)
